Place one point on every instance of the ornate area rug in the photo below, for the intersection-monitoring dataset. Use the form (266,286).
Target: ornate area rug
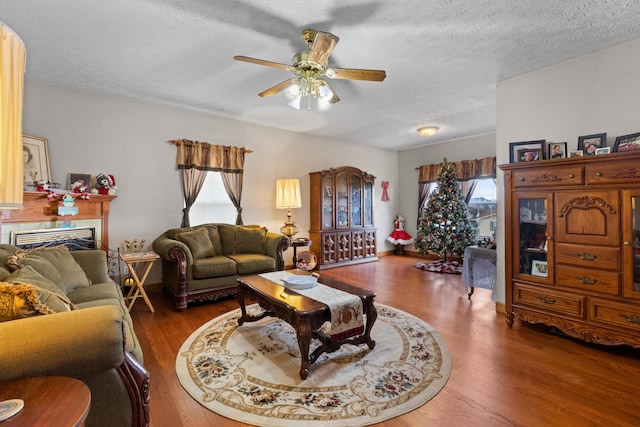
(450,267)
(251,373)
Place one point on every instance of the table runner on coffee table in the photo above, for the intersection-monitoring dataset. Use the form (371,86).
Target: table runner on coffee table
(345,308)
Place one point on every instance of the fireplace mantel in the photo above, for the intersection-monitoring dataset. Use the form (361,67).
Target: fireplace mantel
(37,208)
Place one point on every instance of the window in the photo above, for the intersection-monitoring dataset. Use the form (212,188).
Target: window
(213,203)
(482,207)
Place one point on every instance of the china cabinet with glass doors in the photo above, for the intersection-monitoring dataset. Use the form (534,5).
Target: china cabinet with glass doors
(572,244)
(341,218)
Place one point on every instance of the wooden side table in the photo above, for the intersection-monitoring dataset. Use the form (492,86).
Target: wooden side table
(48,401)
(298,243)
(139,262)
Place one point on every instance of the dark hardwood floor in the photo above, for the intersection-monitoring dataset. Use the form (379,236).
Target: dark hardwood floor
(527,375)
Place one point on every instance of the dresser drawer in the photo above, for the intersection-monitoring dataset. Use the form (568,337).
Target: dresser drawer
(568,175)
(606,282)
(615,313)
(548,300)
(604,258)
(612,174)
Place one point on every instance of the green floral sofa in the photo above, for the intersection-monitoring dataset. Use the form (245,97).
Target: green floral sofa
(61,314)
(203,262)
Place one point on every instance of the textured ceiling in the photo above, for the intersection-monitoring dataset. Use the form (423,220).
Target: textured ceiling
(443,58)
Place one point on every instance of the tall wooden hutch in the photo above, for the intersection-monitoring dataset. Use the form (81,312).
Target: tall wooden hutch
(342,220)
(573,245)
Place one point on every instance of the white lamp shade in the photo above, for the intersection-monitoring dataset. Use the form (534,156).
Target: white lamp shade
(12,65)
(288,193)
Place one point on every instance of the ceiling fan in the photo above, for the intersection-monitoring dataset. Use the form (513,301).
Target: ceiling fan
(309,67)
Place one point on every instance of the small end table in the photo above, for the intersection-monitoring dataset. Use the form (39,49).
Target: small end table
(144,261)
(48,401)
(298,243)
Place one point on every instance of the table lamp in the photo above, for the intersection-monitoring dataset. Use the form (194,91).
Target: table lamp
(288,197)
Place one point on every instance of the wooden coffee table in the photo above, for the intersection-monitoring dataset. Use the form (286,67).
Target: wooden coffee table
(304,314)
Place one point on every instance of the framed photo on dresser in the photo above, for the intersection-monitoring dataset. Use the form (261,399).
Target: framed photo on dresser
(525,150)
(557,150)
(627,143)
(590,143)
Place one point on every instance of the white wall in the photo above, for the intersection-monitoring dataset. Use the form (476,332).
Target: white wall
(92,133)
(456,150)
(591,94)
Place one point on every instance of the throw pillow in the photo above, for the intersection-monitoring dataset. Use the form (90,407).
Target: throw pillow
(198,242)
(214,235)
(29,276)
(250,240)
(70,272)
(18,301)
(39,264)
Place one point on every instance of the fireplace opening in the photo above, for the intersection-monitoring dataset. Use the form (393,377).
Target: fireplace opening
(77,238)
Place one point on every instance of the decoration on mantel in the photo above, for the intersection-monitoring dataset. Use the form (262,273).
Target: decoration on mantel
(385,193)
(80,187)
(67,210)
(44,185)
(105,185)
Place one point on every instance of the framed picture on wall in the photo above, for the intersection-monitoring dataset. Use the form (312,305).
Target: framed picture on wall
(35,152)
(627,143)
(590,143)
(516,147)
(556,150)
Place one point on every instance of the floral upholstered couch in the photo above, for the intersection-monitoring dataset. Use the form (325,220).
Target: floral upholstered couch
(204,262)
(61,315)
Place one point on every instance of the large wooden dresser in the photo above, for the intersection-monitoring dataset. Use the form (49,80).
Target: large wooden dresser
(342,221)
(573,245)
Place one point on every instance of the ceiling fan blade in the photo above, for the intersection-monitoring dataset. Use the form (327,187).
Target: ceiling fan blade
(277,88)
(322,46)
(356,74)
(261,62)
(335,98)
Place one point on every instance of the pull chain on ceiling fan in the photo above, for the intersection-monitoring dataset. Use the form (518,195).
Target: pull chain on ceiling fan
(309,67)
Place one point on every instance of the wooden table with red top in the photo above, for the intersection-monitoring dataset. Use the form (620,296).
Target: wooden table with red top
(48,401)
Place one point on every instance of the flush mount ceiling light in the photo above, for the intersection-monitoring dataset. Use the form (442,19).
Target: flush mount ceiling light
(428,130)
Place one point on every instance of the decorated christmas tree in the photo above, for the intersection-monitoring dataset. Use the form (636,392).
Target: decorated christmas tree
(445,227)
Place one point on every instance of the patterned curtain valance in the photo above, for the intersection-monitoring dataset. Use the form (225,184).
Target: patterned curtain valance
(465,170)
(208,157)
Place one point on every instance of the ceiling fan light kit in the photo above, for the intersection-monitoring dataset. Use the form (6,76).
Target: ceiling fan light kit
(427,130)
(309,67)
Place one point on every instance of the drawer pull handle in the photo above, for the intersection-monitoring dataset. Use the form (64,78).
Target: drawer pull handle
(522,178)
(633,318)
(571,175)
(598,173)
(586,280)
(547,300)
(587,257)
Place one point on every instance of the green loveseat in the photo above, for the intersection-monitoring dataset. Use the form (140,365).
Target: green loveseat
(203,262)
(61,314)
